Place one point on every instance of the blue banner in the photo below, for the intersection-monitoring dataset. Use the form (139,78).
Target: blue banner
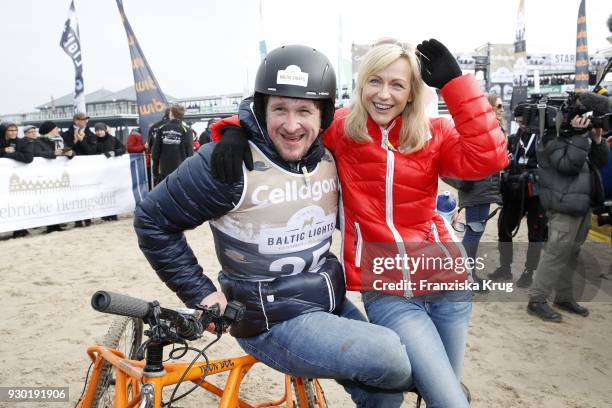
(150,99)
(582,52)
(71,44)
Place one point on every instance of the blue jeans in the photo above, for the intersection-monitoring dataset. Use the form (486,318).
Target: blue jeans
(367,360)
(471,239)
(433,329)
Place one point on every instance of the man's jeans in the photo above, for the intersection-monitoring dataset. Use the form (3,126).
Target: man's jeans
(566,234)
(434,330)
(357,354)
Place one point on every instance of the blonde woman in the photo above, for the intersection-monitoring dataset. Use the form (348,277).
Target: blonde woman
(498,107)
(389,156)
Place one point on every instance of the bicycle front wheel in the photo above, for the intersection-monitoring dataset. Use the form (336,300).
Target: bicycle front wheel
(308,393)
(125,335)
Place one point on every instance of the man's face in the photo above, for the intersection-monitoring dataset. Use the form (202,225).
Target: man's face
(100,132)
(32,133)
(80,123)
(293,125)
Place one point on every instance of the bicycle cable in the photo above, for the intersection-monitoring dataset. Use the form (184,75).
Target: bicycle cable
(85,384)
(202,353)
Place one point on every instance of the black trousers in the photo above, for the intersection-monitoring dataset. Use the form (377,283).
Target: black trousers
(509,218)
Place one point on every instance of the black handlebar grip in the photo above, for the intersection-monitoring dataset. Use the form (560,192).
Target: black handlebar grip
(115,303)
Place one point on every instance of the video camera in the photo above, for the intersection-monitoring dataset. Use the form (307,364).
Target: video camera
(558,112)
(604,213)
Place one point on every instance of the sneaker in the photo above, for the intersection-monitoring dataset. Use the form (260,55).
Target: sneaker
(501,274)
(78,224)
(87,223)
(525,280)
(572,307)
(543,311)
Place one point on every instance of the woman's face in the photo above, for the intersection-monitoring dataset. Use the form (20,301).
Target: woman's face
(11,132)
(386,93)
(498,108)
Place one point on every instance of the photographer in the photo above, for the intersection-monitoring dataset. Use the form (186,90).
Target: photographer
(520,197)
(567,161)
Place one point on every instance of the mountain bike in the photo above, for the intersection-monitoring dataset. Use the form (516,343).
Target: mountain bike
(127,373)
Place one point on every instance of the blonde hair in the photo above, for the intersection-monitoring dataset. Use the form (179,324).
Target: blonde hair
(492,98)
(415,123)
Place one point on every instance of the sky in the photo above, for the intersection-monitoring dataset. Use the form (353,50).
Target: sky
(208,47)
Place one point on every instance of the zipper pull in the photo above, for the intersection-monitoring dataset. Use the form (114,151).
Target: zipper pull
(306,176)
(385,141)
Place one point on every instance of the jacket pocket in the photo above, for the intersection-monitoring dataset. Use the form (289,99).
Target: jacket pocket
(358,245)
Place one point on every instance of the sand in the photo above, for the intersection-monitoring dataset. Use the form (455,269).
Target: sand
(512,359)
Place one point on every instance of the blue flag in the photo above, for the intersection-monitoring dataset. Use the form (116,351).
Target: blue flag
(582,52)
(150,99)
(71,44)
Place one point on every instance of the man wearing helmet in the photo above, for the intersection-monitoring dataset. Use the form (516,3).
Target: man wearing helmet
(272,233)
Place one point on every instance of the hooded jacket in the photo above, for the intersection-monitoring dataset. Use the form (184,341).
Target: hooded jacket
(23,149)
(565,179)
(272,232)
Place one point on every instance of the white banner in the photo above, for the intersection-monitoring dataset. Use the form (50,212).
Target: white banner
(53,191)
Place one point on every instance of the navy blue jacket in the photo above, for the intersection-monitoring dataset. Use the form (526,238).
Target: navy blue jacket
(191,196)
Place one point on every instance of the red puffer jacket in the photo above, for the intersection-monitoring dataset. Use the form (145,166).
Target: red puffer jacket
(389,199)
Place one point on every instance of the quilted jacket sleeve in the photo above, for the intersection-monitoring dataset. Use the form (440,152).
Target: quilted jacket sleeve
(475,147)
(185,199)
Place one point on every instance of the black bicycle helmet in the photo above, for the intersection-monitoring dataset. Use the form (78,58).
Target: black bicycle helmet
(296,71)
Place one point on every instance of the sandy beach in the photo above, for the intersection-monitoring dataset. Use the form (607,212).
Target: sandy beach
(512,359)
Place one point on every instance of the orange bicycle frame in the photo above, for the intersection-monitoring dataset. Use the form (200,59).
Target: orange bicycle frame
(130,373)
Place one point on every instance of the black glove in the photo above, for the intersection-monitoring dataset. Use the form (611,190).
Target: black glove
(438,65)
(109,154)
(229,153)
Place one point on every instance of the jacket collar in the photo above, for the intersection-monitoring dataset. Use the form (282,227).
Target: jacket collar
(376,131)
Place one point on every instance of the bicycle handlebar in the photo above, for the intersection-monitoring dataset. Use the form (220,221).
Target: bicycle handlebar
(116,303)
(188,325)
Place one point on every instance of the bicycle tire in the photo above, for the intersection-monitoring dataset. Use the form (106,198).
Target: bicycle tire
(310,387)
(116,338)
